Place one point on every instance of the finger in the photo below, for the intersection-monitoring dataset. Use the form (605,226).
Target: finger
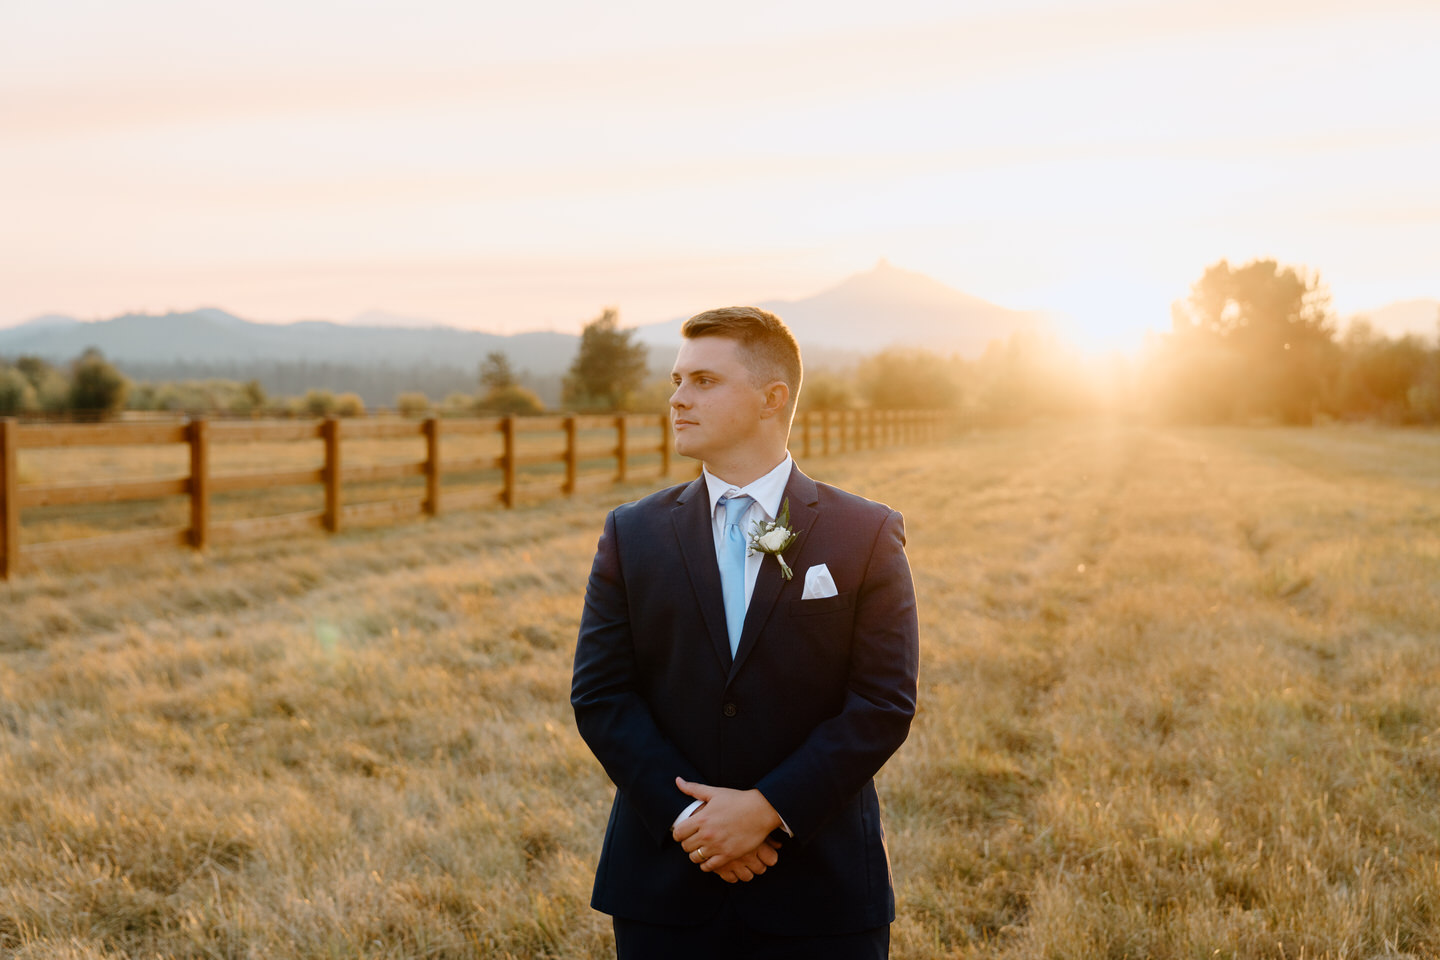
(697,790)
(743,872)
(774,844)
(716,862)
(754,865)
(767,855)
(685,829)
(728,876)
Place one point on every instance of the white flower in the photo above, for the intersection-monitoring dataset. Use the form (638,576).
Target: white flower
(774,541)
(774,537)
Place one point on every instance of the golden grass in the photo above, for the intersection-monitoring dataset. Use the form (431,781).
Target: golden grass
(1180,698)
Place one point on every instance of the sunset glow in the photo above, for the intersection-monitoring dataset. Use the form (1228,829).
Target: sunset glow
(511,169)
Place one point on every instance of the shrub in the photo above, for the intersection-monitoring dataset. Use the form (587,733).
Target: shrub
(95,385)
(412,404)
(511,400)
(349,405)
(318,403)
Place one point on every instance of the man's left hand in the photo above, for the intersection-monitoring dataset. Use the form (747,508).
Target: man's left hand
(731,824)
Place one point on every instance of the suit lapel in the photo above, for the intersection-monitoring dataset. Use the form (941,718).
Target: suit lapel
(693,529)
(801,492)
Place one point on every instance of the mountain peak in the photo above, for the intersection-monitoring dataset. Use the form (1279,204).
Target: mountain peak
(881,307)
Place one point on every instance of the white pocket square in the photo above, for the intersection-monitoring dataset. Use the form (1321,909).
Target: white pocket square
(818,583)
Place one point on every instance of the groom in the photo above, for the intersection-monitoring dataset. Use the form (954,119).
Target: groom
(742,714)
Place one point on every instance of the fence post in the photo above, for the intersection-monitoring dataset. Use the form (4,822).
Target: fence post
(572,457)
(431,430)
(805,435)
(870,417)
(664,444)
(620,448)
(198,435)
(9,498)
(330,431)
(507,429)
(824,433)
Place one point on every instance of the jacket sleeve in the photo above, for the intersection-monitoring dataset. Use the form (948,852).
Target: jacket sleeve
(612,717)
(844,752)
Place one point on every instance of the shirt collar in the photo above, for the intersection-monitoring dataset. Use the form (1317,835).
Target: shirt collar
(767,491)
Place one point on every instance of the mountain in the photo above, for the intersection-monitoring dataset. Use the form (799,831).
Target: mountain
(383,318)
(381,353)
(1420,317)
(886,306)
(209,336)
(47,320)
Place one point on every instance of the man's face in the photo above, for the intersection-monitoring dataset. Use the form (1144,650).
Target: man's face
(716,408)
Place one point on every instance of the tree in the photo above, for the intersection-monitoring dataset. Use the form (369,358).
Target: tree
(96,387)
(608,368)
(1383,378)
(1263,340)
(17,394)
(35,369)
(826,390)
(252,399)
(907,379)
(496,372)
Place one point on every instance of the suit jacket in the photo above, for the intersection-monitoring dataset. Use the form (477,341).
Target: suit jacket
(818,696)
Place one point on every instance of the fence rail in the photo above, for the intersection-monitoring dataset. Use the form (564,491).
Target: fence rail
(818,434)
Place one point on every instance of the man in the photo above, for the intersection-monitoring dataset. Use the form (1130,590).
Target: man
(742,714)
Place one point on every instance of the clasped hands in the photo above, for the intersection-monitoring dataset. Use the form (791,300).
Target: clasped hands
(729,835)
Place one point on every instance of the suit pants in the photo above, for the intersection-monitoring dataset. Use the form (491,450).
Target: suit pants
(727,938)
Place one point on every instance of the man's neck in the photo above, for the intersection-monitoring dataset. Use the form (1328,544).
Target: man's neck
(742,473)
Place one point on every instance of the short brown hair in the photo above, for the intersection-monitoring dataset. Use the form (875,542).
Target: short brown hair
(771,352)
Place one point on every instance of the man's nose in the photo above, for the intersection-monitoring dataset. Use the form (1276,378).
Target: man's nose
(679,399)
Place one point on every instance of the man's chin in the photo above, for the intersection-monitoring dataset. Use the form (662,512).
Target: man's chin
(688,447)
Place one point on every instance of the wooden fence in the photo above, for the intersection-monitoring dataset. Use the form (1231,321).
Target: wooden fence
(818,434)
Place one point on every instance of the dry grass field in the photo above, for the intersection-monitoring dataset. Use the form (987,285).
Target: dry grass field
(1180,697)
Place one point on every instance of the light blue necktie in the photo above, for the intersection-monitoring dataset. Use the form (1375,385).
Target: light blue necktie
(732,568)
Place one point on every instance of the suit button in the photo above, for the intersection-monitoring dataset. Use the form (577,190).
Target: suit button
(729,710)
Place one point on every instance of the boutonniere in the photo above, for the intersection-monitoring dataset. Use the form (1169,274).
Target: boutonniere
(775,537)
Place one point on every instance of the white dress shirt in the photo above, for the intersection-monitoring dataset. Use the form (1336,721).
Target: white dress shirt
(766,495)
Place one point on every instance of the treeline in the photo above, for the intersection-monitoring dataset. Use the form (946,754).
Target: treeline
(376,384)
(1256,343)
(1261,342)
(607,374)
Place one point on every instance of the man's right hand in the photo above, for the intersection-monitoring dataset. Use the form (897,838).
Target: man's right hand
(751,865)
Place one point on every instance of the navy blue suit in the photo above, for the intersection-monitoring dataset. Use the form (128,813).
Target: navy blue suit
(818,696)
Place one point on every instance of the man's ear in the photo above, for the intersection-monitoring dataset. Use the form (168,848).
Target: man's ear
(777,395)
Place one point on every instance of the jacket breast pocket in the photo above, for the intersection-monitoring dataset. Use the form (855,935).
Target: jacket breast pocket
(817,605)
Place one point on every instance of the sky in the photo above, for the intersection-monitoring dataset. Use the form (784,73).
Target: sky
(510,167)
